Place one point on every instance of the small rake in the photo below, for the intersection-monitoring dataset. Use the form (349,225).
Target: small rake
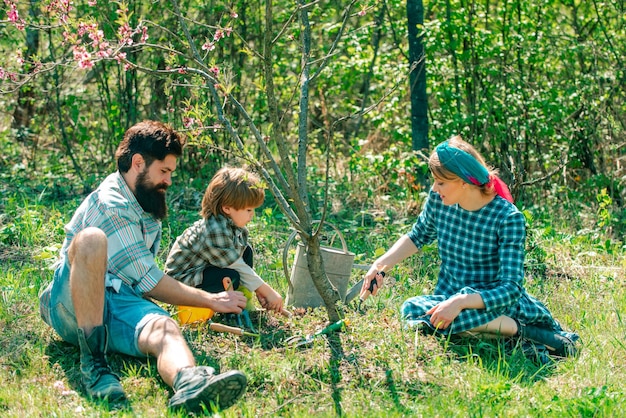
(297,341)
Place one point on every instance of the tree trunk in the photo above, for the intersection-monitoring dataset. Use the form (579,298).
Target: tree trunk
(417,77)
(328,292)
(25,108)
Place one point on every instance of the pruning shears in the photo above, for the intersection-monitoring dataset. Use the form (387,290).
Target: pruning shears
(365,294)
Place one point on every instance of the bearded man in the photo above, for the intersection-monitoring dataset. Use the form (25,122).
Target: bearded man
(101,296)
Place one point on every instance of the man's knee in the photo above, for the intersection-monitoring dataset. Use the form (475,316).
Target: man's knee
(159,332)
(163,327)
(88,244)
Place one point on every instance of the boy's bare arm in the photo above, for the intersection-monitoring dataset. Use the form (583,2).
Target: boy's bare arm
(269,298)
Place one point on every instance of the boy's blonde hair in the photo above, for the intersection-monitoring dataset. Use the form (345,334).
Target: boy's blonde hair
(235,187)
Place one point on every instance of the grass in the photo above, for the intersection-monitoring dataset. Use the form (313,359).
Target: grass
(375,368)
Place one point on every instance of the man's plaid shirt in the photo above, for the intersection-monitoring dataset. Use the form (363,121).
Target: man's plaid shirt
(133,235)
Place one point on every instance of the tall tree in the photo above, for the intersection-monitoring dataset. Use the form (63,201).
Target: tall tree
(25,106)
(417,78)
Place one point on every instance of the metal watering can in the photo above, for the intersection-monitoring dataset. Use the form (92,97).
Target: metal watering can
(338,263)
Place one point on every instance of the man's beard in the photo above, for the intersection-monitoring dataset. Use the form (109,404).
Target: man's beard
(151,197)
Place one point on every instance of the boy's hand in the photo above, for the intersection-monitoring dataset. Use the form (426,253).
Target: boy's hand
(269,298)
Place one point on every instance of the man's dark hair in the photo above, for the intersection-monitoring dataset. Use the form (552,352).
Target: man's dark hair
(152,140)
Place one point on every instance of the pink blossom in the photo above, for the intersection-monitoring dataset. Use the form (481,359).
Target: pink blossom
(60,8)
(96,36)
(92,3)
(125,33)
(4,74)
(215,71)
(68,37)
(188,122)
(218,35)
(144,34)
(85,64)
(234,15)
(14,16)
(84,28)
(362,12)
(120,56)
(208,46)
(83,57)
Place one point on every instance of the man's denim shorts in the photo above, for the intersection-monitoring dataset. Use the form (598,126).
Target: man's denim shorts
(125,313)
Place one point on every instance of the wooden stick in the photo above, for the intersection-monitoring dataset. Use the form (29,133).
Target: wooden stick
(232,330)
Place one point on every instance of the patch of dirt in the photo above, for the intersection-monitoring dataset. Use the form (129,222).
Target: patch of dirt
(13,254)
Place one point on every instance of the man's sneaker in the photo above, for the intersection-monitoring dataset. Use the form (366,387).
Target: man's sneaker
(99,381)
(197,386)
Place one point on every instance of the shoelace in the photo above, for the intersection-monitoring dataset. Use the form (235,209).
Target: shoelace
(100,366)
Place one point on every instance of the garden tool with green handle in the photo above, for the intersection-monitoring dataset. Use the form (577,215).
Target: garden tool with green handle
(300,341)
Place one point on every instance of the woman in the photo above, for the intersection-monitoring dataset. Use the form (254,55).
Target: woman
(480,236)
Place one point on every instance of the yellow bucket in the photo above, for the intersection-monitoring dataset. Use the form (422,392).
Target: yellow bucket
(191,314)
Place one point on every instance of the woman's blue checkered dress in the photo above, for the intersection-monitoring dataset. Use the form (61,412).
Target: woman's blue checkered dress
(481,252)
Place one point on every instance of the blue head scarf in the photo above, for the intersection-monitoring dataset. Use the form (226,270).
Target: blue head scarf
(463,164)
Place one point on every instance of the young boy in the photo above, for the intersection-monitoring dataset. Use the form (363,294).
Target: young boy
(213,253)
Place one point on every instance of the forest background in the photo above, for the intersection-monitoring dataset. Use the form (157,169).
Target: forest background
(538,88)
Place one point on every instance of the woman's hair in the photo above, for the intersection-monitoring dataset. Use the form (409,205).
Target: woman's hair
(152,140)
(235,187)
(438,169)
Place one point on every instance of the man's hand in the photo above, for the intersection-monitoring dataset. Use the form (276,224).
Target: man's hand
(228,302)
(172,291)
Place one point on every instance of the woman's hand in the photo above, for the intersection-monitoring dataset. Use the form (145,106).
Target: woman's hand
(442,314)
(374,273)
(402,249)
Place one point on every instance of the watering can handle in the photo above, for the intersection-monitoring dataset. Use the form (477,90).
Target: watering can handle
(290,240)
